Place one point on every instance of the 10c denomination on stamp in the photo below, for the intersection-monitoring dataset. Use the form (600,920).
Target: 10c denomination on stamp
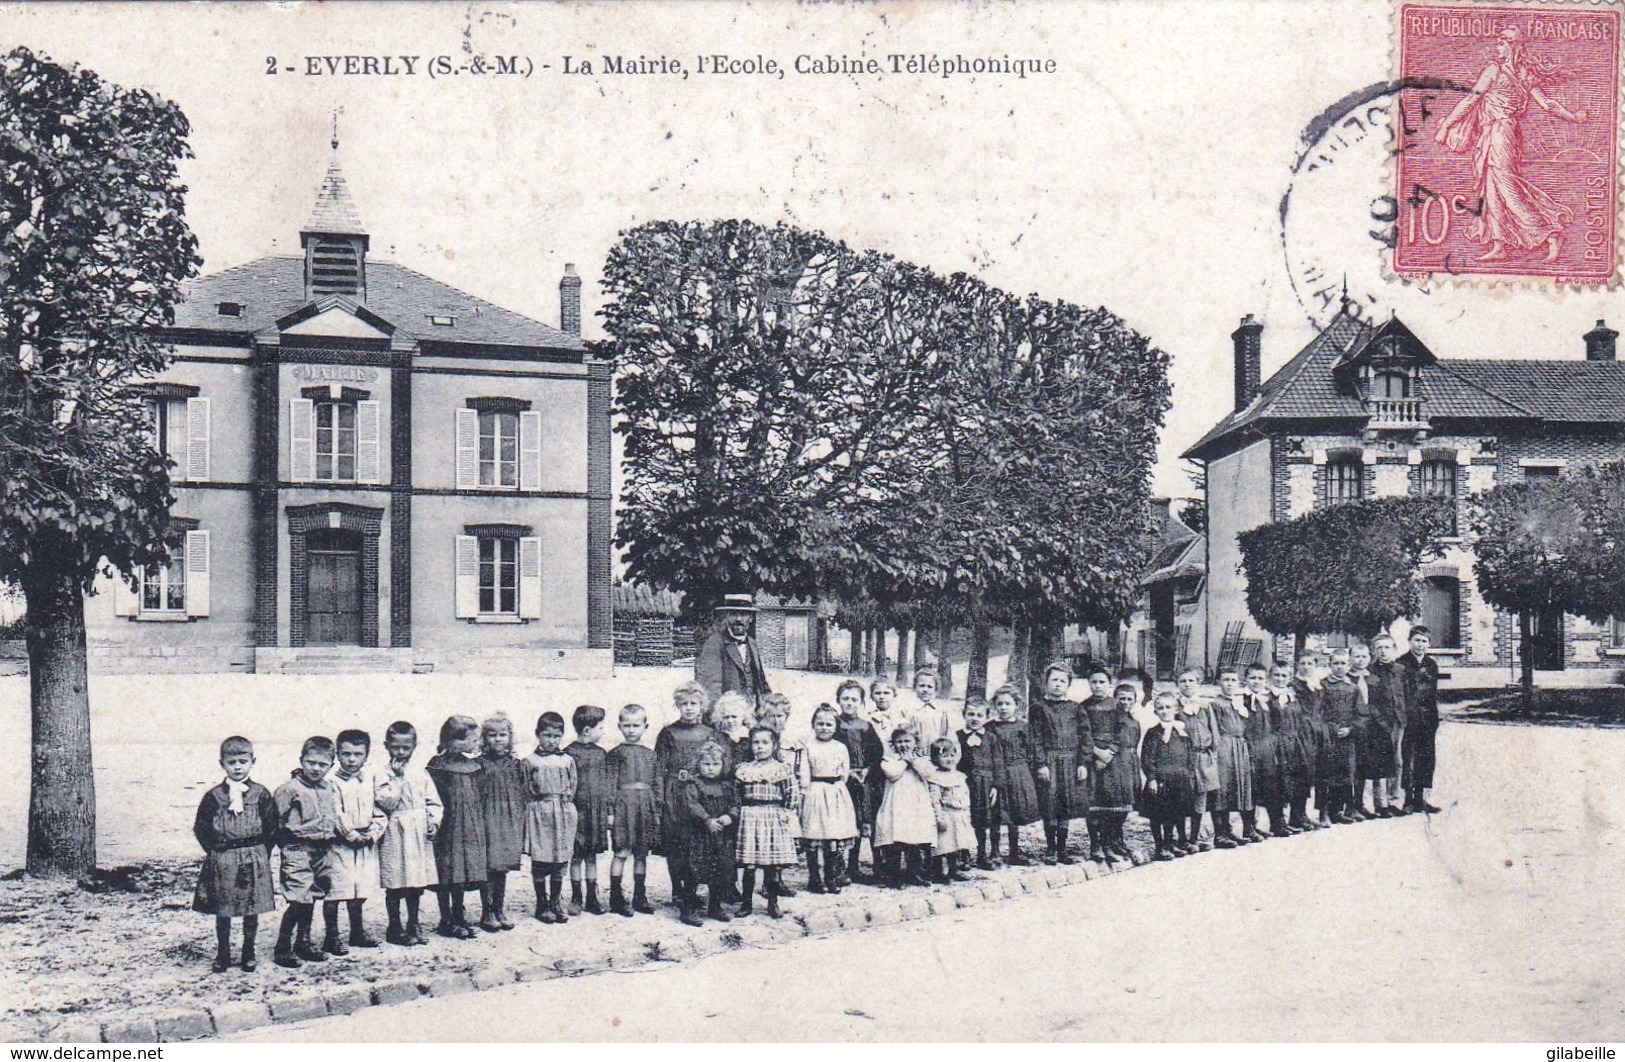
(1508,151)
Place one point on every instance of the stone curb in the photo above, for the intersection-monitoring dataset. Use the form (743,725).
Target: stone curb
(882,908)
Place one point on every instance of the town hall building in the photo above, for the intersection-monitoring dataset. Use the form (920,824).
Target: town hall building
(1368,410)
(374,470)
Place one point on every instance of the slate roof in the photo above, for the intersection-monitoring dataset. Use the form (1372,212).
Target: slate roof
(1588,392)
(273,287)
(335,211)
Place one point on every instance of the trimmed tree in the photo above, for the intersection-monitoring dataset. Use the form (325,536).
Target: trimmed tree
(94,248)
(1351,567)
(1551,546)
(767,377)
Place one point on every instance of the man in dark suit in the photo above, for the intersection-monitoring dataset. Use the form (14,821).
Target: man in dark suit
(1421,719)
(729,660)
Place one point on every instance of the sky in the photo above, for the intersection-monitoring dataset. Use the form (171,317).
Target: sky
(1146,174)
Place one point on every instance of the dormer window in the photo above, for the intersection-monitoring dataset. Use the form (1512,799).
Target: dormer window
(442,320)
(1390,384)
(229,309)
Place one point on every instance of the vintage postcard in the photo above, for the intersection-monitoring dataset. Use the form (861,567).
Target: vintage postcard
(866,522)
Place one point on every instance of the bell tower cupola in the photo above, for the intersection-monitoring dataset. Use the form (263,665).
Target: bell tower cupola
(334,241)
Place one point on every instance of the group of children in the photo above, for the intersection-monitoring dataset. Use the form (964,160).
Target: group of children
(729,796)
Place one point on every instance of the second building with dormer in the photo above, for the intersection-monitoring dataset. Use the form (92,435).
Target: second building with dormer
(1368,410)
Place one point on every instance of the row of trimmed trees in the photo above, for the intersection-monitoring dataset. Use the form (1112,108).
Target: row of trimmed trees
(1554,545)
(814,420)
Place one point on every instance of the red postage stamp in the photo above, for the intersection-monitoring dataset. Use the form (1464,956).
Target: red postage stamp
(1508,142)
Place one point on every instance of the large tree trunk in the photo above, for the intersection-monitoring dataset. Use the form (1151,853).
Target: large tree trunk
(945,681)
(981,646)
(1526,653)
(1020,657)
(854,651)
(902,654)
(1300,640)
(880,651)
(62,789)
(922,651)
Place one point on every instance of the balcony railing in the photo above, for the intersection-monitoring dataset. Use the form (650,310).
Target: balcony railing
(1395,413)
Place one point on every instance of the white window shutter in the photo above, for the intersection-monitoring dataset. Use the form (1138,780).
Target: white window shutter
(468,577)
(468,449)
(175,443)
(301,440)
(530,578)
(197,573)
(530,450)
(366,442)
(197,440)
(125,602)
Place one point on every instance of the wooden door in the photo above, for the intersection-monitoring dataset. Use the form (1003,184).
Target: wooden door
(333,591)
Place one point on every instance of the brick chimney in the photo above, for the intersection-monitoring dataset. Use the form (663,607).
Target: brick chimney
(1600,342)
(570,301)
(1161,509)
(1249,360)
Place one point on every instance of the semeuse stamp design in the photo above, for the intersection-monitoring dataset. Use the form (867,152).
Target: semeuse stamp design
(1508,156)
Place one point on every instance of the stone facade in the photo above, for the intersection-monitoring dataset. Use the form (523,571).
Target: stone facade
(1371,406)
(377,470)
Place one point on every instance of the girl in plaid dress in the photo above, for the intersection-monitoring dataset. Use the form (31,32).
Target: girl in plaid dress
(767,793)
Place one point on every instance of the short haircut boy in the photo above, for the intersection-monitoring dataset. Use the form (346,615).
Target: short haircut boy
(319,743)
(586,717)
(236,746)
(1257,668)
(401,728)
(633,711)
(550,721)
(928,671)
(355,737)
(1421,628)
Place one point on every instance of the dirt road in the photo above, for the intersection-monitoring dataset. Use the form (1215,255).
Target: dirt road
(1500,919)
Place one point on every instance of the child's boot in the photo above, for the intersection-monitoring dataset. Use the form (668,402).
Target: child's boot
(640,895)
(488,910)
(854,871)
(575,897)
(301,942)
(617,897)
(773,889)
(251,928)
(1015,859)
(592,906)
(688,906)
(1097,850)
(713,903)
(1062,856)
(557,905)
(330,920)
(283,955)
(359,937)
(544,914)
(1118,843)
(834,880)
(749,892)
(815,881)
(222,945)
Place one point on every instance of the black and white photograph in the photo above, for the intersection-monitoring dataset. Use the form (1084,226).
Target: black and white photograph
(828,523)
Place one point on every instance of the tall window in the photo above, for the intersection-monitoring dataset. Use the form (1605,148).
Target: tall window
(499,449)
(335,441)
(1616,632)
(499,576)
(1438,480)
(166,423)
(163,588)
(1441,611)
(1345,480)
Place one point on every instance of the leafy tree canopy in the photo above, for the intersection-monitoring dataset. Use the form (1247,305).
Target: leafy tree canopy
(1350,567)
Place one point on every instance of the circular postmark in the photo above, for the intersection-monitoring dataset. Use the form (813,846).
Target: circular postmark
(1339,215)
